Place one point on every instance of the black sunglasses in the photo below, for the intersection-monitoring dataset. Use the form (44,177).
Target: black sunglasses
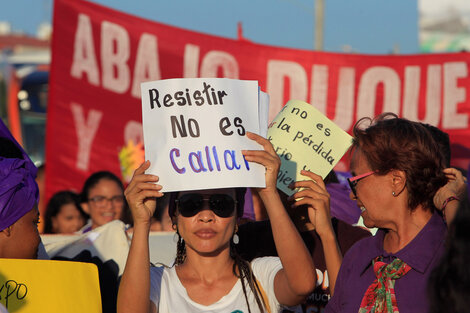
(192,203)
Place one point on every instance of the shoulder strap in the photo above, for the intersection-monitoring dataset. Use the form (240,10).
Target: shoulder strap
(263,296)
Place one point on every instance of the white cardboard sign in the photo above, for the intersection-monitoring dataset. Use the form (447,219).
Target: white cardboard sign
(194,131)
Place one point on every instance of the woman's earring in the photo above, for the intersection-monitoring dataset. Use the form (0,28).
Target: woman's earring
(235,239)
(175,237)
(393,193)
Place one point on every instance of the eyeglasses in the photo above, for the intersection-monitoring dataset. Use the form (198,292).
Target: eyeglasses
(101,201)
(192,203)
(354,180)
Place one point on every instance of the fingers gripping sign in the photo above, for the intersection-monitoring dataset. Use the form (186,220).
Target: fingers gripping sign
(266,157)
(141,194)
(313,193)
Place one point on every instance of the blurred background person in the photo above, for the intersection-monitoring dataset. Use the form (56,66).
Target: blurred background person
(103,200)
(64,215)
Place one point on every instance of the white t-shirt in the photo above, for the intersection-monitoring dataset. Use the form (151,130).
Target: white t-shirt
(170,296)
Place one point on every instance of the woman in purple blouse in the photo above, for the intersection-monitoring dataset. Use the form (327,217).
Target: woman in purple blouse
(397,168)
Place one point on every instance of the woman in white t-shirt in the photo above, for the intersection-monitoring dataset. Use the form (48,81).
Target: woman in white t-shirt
(208,275)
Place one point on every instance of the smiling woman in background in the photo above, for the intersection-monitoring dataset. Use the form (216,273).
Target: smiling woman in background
(103,200)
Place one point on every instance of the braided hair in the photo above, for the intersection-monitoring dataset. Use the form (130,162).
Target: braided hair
(241,268)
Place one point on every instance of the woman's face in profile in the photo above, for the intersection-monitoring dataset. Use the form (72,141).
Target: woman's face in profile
(371,193)
(24,235)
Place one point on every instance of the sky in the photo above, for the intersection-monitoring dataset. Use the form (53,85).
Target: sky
(362,26)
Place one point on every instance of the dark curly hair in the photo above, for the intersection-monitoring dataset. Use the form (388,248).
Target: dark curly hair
(442,139)
(393,143)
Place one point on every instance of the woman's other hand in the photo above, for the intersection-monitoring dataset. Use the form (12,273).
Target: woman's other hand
(455,186)
(313,193)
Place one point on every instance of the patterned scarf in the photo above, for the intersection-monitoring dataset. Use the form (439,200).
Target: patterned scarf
(380,296)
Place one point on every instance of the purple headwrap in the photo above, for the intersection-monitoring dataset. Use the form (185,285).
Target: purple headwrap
(18,189)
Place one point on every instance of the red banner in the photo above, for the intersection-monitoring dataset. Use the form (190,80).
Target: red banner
(100,56)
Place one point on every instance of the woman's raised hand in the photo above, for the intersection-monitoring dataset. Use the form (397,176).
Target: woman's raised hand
(266,157)
(456,185)
(141,194)
(313,193)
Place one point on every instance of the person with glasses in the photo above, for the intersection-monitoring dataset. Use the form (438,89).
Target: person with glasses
(397,168)
(208,275)
(103,200)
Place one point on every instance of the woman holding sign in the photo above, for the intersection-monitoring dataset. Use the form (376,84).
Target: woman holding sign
(397,169)
(208,275)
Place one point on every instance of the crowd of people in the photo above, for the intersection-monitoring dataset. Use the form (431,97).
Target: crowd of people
(308,255)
